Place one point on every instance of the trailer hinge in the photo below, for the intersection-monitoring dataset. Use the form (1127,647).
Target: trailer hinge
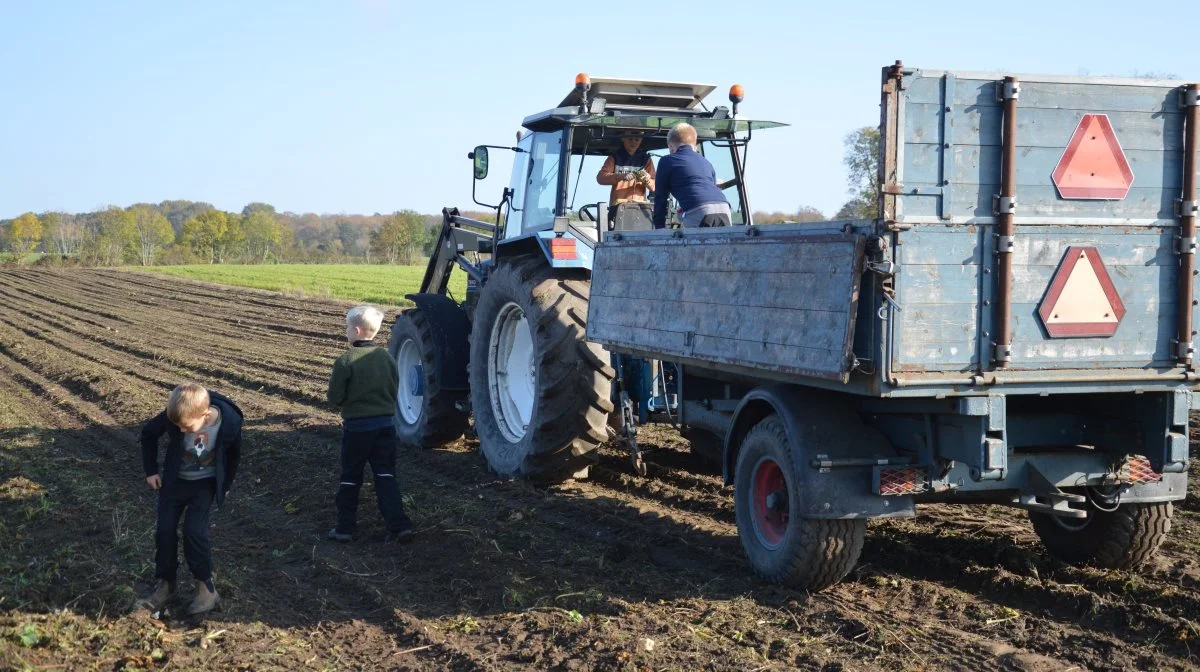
(1182,350)
(1008,91)
(1004,205)
(1004,244)
(1185,245)
(894,189)
(1002,352)
(1189,97)
(1186,208)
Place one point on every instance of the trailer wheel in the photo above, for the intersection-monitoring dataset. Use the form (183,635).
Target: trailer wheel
(784,548)
(1124,538)
(426,416)
(540,391)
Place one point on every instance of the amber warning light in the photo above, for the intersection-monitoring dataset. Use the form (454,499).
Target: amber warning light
(736,95)
(582,81)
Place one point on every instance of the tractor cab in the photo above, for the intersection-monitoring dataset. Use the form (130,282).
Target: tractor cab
(560,153)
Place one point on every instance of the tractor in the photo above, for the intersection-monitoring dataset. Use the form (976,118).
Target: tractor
(513,352)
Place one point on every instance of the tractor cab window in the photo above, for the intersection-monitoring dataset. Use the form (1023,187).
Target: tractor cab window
(720,155)
(591,147)
(542,182)
(584,192)
(520,175)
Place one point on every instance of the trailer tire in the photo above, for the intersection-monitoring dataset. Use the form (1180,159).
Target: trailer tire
(1122,539)
(805,553)
(543,419)
(431,419)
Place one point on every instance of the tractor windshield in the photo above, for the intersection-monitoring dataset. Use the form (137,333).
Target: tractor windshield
(590,148)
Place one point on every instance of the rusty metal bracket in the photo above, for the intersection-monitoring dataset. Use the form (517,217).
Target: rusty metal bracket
(1004,205)
(1008,90)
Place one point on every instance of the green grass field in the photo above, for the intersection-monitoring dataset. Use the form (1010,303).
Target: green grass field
(354,282)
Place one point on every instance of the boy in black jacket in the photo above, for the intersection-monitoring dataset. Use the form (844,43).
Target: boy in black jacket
(204,442)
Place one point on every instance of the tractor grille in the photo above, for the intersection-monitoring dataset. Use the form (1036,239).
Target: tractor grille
(902,480)
(1137,469)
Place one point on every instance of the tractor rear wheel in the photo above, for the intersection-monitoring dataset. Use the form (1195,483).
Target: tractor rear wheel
(782,547)
(426,415)
(1123,538)
(539,390)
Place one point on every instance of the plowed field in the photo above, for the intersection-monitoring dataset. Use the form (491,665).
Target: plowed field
(613,573)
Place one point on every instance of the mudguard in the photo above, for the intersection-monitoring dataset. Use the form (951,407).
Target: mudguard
(450,327)
(820,425)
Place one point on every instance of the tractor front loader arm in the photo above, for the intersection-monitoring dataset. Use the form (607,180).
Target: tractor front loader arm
(453,241)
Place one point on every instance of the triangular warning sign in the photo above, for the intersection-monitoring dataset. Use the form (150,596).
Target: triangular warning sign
(1081,300)
(1094,165)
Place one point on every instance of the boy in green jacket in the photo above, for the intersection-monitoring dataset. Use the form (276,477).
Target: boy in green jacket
(363,385)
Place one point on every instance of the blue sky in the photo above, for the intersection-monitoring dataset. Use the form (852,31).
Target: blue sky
(365,106)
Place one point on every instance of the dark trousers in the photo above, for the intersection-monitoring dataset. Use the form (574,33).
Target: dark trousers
(377,447)
(191,500)
(715,220)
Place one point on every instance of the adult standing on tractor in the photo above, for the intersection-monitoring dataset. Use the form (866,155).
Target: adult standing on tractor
(691,179)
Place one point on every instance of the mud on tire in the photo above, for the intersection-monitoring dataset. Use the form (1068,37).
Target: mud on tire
(571,378)
(430,420)
(1122,539)
(804,553)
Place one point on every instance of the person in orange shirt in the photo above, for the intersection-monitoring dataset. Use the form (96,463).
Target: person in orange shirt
(629,171)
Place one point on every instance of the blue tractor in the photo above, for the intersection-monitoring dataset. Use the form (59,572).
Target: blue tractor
(513,352)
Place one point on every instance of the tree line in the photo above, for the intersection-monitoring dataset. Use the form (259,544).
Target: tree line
(194,232)
(191,232)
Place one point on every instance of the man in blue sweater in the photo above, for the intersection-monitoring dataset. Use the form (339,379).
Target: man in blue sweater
(688,176)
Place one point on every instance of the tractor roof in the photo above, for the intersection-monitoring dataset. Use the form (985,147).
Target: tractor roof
(646,106)
(641,94)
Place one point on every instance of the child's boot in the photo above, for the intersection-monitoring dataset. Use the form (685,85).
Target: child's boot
(206,598)
(163,592)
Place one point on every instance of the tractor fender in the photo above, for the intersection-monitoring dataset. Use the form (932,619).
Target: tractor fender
(824,425)
(450,327)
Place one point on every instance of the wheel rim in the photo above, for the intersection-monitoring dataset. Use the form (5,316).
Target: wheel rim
(512,375)
(408,399)
(769,499)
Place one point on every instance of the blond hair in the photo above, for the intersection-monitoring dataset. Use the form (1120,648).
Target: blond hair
(187,401)
(682,133)
(367,318)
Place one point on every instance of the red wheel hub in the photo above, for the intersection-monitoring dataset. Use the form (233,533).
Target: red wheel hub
(769,501)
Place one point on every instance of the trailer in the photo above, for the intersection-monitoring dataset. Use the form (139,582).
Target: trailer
(1016,327)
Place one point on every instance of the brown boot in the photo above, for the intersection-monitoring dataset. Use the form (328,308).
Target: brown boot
(163,592)
(206,598)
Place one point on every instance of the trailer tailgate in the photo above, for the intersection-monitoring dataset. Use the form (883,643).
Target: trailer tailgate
(783,300)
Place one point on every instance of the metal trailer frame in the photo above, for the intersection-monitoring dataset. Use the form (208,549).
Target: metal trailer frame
(993,428)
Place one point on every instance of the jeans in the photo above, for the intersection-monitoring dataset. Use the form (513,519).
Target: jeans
(377,447)
(191,500)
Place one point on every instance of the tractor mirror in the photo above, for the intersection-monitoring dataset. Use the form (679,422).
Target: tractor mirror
(480,155)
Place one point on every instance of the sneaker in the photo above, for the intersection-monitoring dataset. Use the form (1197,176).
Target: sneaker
(206,598)
(341,537)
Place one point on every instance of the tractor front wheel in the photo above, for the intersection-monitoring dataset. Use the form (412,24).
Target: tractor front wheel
(426,413)
(539,390)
